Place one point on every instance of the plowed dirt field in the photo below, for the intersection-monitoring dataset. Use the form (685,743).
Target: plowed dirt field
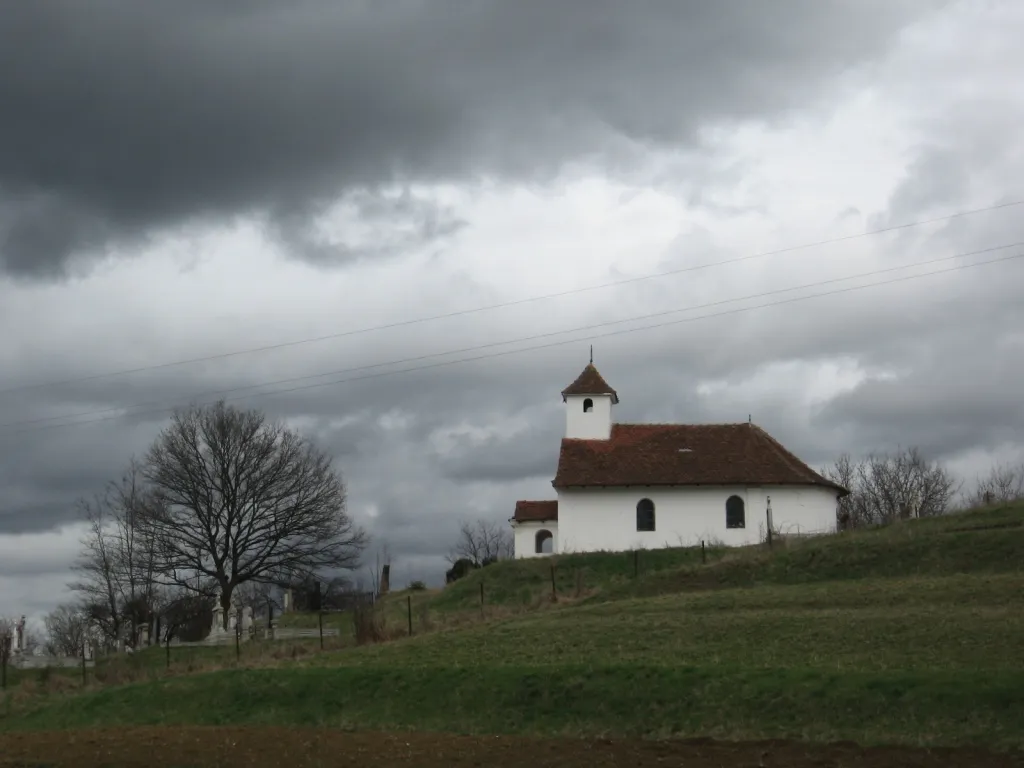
(197,747)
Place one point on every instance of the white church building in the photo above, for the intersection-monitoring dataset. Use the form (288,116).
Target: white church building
(646,486)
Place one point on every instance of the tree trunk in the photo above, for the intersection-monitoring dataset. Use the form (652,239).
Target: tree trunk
(225,604)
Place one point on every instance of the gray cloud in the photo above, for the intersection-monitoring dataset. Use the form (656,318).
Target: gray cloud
(122,118)
(422,450)
(931,403)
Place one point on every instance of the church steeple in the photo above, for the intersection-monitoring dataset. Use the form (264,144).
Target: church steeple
(588,405)
(590,382)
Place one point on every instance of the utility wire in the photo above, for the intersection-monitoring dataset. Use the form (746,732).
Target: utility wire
(520,340)
(608,334)
(515,302)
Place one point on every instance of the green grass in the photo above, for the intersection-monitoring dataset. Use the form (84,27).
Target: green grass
(912,634)
(523,583)
(621,699)
(950,623)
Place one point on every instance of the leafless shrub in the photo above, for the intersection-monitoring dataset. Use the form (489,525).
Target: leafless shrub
(1004,483)
(482,542)
(67,630)
(885,488)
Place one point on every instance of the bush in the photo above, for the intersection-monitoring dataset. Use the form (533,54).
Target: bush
(460,568)
(417,586)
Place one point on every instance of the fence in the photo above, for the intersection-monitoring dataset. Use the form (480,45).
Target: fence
(31,661)
(295,633)
(275,633)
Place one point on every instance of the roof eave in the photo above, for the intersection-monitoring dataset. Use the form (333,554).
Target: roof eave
(843,492)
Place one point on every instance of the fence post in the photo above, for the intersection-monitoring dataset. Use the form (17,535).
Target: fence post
(703,554)
(83,665)
(408,605)
(5,649)
(636,563)
(554,591)
(768,519)
(579,582)
(320,612)
(168,644)
(238,638)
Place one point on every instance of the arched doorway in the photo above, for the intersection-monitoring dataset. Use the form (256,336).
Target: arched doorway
(544,542)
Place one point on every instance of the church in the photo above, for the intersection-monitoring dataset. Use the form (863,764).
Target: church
(644,486)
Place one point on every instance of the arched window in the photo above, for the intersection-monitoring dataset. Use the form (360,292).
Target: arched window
(645,515)
(544,543)
(588,405)
(735,514)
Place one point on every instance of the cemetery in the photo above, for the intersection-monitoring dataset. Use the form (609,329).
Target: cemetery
(241,627)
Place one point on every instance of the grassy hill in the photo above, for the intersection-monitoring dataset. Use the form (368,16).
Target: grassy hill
(909,634)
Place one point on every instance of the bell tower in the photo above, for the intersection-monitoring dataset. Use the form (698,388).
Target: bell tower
(588,405)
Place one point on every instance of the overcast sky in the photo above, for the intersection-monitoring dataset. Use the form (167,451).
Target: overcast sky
(182,180)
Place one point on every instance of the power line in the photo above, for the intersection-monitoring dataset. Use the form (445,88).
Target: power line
(506,304)
(535,337)
(848,289)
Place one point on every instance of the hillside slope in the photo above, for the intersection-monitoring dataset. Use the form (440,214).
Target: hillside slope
(980,541)
(908,635)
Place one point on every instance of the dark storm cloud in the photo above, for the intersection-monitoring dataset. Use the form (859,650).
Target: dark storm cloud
(16,518)
(121,117)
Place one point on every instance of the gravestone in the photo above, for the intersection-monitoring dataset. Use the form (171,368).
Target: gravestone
(238,621)
(19,636)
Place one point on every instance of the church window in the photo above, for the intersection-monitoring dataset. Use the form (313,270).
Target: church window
(588,405)
(645,515)
(735,514)
(544,543)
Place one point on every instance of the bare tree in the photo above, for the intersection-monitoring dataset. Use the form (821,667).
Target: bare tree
(67,630)
(117,566)
(1004,483)
(241,499)
(483,542)
(889,487)
(844,472)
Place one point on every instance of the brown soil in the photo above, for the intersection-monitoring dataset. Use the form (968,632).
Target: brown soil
(300,747)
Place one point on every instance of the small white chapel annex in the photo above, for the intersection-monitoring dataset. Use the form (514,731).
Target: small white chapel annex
(645,486)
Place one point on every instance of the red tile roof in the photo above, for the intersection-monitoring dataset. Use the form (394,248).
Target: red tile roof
(536,511)
(590,382)
(683,454)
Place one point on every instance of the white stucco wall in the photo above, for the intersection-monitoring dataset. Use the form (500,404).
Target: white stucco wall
(525,538)
(605,518)
(593,425)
